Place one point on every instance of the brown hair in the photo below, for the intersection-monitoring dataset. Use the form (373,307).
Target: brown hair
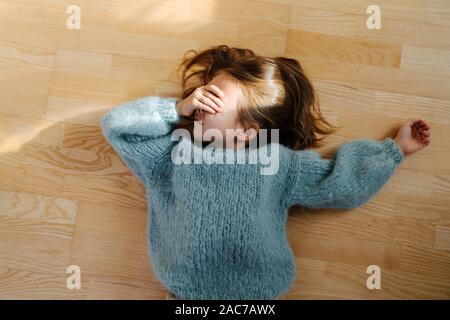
(276,93)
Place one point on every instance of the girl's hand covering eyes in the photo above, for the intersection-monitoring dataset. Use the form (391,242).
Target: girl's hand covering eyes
(206,98)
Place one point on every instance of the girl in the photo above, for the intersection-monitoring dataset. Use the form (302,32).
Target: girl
(217,230)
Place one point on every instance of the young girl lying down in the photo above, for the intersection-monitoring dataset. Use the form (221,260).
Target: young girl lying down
(216,228)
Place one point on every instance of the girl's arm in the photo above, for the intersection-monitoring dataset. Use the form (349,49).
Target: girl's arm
(358,171)
(140,130)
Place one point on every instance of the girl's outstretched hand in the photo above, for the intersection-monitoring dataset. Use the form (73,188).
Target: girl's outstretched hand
(204,99)
(413,135)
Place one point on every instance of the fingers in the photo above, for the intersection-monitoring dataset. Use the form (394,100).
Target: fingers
(420,131)
(216,90)
(206,98)
(423,129)
(418,123)
(202,106)
(214,101)
(425,136)
(424,125)
(215,94)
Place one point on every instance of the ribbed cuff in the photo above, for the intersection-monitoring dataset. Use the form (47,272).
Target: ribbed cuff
(393,150)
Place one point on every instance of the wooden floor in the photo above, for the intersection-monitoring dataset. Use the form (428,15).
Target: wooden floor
(67,198)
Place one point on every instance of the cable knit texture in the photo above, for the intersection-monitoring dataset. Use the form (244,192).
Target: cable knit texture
(217,231)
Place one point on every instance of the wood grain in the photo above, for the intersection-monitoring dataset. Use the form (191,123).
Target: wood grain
(67,198)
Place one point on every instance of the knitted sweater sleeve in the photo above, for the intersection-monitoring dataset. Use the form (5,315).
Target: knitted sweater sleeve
(140,131)
(357,172)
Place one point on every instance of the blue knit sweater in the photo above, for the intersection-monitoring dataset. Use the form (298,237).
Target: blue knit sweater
(217,231)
